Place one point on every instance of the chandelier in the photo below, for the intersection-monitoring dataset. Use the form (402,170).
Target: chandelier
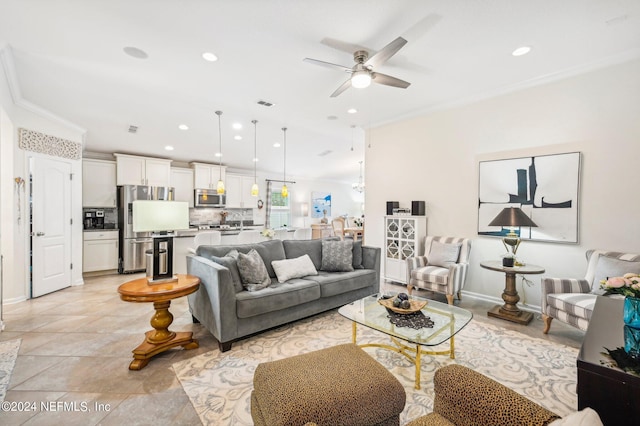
(359,186)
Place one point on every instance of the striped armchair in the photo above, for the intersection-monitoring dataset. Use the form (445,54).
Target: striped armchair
(571,300)
(436,272)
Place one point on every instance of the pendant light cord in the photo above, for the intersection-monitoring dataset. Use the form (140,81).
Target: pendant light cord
(219,113)
(284,176)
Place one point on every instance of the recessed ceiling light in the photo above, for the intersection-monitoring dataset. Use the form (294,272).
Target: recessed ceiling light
(238,137)
(168,148)
(208,56)
(237,126)
(255,160)
(352,110)
(276,145)
(183,127)
(134,52)
(522,50)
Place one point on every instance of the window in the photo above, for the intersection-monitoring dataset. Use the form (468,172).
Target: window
(280,210)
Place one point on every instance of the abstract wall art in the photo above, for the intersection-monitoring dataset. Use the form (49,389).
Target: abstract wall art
(320,201)
(545,187)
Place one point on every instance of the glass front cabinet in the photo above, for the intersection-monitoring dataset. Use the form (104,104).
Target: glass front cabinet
(404,238)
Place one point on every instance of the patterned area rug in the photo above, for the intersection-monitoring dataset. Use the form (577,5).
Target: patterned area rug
(8,354)
(219,384)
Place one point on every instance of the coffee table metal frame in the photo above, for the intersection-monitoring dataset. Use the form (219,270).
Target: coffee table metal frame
(448,320)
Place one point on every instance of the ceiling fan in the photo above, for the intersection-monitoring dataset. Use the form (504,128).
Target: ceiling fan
(362,73)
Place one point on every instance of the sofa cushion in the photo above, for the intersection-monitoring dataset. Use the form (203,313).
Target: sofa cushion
(294,268)
(442,254)
(276,297)
(337,256)
(252,270)
(332,283)
(297,248)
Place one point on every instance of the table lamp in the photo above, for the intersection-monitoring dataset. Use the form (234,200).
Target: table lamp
(512,217)
(161,218)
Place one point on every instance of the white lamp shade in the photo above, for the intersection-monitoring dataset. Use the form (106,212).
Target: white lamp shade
(159,216)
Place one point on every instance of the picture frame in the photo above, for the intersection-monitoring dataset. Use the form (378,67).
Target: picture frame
(545,187)
(320,202)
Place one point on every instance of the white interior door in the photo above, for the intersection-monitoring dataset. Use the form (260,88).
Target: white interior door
(51,225)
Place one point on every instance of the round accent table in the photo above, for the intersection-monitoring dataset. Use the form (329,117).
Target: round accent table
(510,311)
(160,338)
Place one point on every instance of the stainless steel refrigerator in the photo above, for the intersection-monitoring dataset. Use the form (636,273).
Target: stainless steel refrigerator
(133,245)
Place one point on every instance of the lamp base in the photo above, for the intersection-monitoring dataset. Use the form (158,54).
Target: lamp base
(173,279)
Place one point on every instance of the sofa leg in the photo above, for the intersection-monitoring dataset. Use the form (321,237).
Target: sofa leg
(224,346)
(547,323)
(195,320)
(450,299)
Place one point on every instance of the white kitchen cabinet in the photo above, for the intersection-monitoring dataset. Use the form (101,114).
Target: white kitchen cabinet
(403,238)
(239,192)
(206,176)
(98,183)
(182,183)
(100,251)
(135,170)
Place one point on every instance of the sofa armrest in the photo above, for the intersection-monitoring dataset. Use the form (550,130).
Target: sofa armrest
(561,285)
(457,277)
(214,304)
(466,397)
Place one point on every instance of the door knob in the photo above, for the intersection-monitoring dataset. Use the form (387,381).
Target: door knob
(39,234)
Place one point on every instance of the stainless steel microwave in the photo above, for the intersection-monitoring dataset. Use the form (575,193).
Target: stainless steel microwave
(209,198)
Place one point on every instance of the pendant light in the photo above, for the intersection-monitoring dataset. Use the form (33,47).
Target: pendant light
(360,185)
(285,191)
(254,188)
(220,186)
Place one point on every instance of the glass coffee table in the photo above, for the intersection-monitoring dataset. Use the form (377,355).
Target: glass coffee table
(410,342)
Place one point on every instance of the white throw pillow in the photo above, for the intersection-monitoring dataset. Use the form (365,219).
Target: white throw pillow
(443,255)
(585,417)
(294,268)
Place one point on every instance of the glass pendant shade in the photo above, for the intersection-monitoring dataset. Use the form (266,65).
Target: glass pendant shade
(220,187)
(285,191)
(255,190)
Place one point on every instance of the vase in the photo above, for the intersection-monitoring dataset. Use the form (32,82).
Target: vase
(631,317)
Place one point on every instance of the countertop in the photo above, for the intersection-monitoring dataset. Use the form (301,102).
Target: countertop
(100,229)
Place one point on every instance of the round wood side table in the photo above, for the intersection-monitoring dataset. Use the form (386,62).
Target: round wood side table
(160,338)
(510,311)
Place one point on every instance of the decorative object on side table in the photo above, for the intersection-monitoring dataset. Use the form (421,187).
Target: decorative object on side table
(629,286)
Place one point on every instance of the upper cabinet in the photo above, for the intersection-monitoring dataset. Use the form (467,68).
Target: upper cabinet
(238,190)
(135,170)
(182,182)
(98,183)
(206,176)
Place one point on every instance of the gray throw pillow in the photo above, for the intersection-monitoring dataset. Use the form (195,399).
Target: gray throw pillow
(337,256)
(443,255)
(252,270)
(230,263)
(609,267)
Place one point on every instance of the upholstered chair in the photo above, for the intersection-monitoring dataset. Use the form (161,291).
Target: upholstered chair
(206,238)
(571,300)
(443,267)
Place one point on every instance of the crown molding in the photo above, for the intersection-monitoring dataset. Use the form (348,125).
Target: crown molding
(6,57)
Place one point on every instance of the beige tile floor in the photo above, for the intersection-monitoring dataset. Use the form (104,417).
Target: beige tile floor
(76,349)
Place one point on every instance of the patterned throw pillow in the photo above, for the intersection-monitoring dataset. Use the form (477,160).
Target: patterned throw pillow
(337,256)
(443,255)
(253,272)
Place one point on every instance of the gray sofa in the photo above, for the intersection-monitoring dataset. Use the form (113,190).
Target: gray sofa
(230,312)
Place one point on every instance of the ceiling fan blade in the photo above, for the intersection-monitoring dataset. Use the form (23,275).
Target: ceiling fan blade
(343,45)
(342,88)
(386,53)
(387,80)
(327,65)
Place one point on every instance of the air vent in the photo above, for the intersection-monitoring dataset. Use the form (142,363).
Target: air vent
(265,103)
(133,129)
(323,153)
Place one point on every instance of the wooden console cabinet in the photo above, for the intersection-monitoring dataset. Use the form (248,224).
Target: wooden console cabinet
(612,392)
(320,231)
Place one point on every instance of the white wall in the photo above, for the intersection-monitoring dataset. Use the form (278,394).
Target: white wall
(435,158)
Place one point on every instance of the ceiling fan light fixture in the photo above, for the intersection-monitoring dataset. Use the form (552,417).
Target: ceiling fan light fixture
(361,79)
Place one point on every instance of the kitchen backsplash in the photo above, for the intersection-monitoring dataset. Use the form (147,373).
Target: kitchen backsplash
(202,216)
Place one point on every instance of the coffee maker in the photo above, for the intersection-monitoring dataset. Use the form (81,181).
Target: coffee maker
(94,219)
